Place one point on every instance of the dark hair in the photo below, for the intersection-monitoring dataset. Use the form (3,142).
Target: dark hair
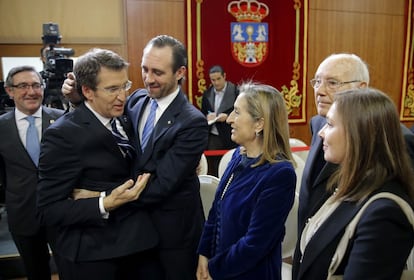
(88,66)
(18,69)
(216,69)
(375,149)
(179,51)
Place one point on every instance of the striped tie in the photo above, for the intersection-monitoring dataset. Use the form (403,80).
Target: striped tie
(149,125)
(32,140)
(122,141)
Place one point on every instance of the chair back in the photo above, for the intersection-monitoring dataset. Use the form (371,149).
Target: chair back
(291,224)
(224,161)
(202,166)
(208,187)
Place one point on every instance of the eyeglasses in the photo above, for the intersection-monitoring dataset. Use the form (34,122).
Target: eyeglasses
(117,89)
(330,83)
(25,86)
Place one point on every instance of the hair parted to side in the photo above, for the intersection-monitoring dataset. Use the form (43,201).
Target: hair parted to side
(264,101)
(88,66)
(19,69)
(179,51)
(375,150)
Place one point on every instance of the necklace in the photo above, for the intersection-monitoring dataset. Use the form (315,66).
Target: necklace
(227,185)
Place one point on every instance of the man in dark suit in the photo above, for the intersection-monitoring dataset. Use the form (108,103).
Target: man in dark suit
(336,73)
(19,170)
(98,237)
(171,155)
(217,104)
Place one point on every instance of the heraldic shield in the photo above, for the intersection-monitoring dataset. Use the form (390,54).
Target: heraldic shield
(249,36)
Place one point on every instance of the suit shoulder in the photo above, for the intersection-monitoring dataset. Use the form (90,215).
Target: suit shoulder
(6,116)
(53,111)
(136,96)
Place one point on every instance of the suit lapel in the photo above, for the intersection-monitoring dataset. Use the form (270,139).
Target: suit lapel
(14,134)
(328,233)
(47,119)
(228,99)
(211,96)
(165,122)
(96,128)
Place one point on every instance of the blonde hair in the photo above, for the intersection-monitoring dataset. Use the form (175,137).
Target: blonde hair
(264,101)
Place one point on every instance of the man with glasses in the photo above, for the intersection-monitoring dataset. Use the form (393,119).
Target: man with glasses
(338,72)
(88,148)
(170,137)
(21,131)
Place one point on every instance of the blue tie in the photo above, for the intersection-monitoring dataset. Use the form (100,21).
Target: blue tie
(149,125)
(122,141)
(32,140)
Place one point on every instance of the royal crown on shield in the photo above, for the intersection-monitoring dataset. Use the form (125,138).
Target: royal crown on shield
(248,10)
(249,35)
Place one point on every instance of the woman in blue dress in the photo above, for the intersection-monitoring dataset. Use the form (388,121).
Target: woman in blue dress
(243,234)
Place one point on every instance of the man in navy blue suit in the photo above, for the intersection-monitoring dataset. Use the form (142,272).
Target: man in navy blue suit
(172,154)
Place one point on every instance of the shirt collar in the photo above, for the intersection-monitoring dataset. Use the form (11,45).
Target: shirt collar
(165,101)
(20,115)
(221,91)
(104,120)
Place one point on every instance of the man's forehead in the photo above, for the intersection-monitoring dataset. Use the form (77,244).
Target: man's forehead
(335,69)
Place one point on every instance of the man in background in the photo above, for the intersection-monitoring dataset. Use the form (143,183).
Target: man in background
(21,131)
(217,104)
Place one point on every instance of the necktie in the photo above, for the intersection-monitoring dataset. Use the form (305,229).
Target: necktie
(122,141)
(32,140)
(149,124)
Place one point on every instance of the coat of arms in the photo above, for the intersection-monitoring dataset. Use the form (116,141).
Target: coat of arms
(249,35)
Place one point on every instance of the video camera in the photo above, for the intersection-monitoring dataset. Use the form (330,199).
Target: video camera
(56,63)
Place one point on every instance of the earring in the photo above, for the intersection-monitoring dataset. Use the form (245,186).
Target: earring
(257,133)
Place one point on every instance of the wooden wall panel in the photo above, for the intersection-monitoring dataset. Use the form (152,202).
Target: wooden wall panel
(80,21)
(372,29)
(146,19)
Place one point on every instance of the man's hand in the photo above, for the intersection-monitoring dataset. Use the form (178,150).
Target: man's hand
(211,116)
(69,89)
(222,117)
(122,194)
(126,192)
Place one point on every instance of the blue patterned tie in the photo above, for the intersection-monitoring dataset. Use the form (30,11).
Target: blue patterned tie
(149,125)
(32,140)
(122,141)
